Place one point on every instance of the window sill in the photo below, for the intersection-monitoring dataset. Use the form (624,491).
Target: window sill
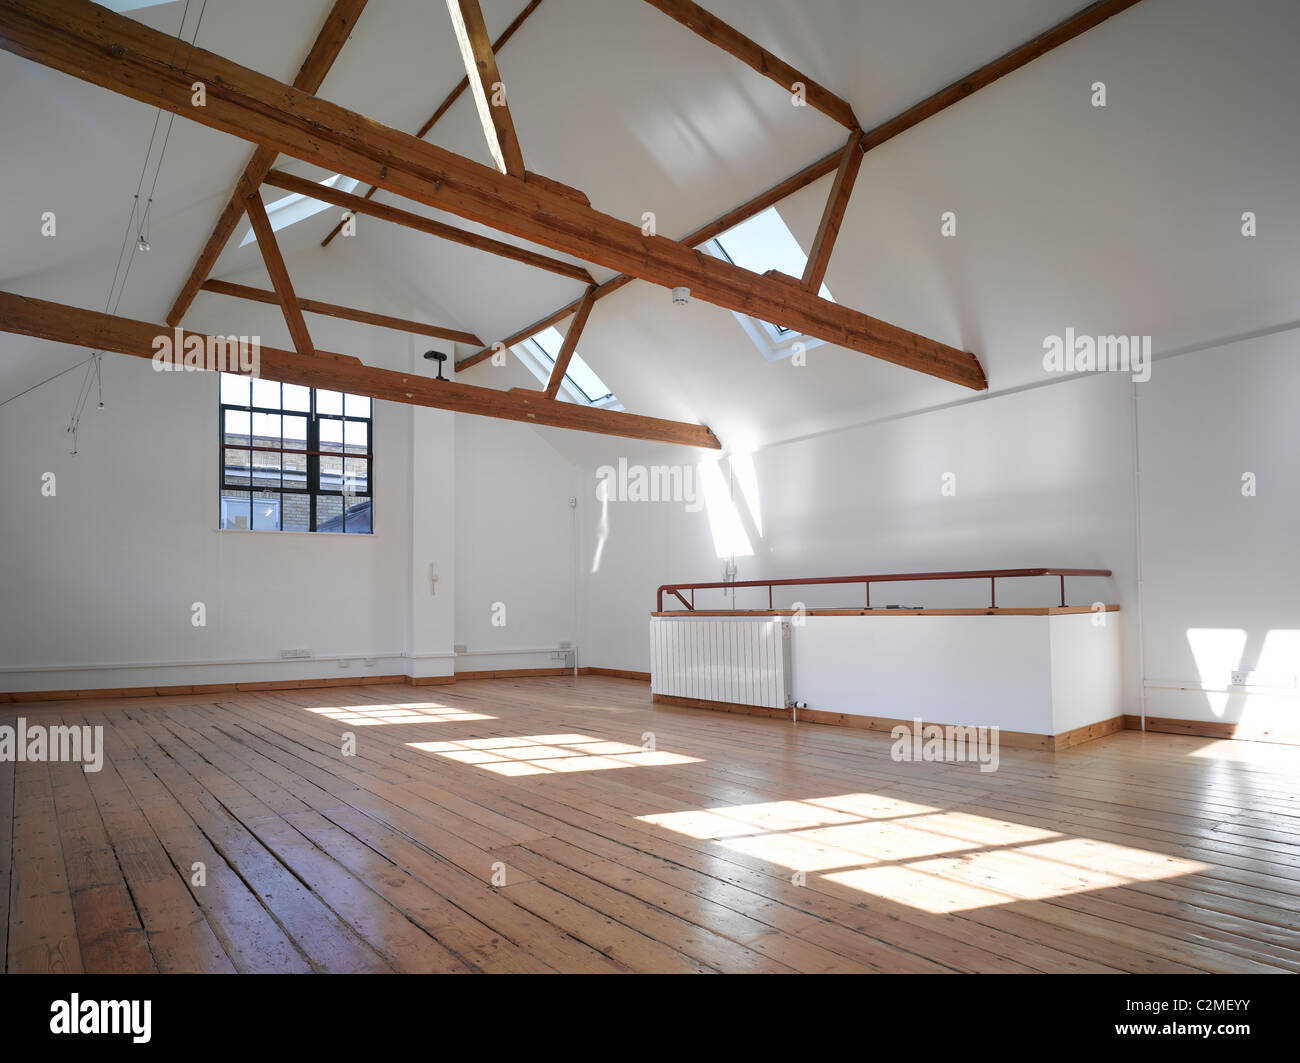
(314,535)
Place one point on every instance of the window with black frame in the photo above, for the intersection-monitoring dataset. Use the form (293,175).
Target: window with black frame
(295,458)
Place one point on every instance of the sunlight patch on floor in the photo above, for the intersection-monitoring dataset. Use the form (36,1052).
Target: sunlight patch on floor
(918,855)
(416,712)
(548,754)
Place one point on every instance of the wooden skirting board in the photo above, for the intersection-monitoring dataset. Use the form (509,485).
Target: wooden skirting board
(1011,739)
(22,696)
(1216,729)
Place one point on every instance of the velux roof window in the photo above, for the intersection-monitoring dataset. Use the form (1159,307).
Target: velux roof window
(759,244)
(580,383)
(296,207)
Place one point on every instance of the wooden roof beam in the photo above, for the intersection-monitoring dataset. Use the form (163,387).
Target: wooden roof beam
(279,273)
(570,344)
(364,317)
(96,45)
(445,106)
(731,40)
(24,316)
(1064,31)
(360,205)
(837,202)
(329,42)
(486,85)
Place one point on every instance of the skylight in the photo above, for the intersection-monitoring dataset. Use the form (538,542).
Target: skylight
(759,244)
(294,207)
(581,381)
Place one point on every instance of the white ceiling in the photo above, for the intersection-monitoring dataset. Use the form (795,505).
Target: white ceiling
(1117,220)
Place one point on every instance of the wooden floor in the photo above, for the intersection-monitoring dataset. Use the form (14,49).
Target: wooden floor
(520,826)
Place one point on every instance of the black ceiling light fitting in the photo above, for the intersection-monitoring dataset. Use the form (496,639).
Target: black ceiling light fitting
(438,357)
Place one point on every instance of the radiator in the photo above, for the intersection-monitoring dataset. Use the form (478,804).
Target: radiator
(743,662)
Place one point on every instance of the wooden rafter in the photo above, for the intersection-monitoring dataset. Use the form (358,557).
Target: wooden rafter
(360,205)
(70,35)
(570,344)
(819,256)
(1061,33)
(717,227)
(329,42)
(89,328)
(731,40)
(486,85)
(365,317)
(451,98)
(279,273)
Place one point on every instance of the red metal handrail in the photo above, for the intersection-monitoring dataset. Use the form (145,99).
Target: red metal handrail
(990,574)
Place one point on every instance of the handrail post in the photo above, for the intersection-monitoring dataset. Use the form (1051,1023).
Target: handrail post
(1062,590)
(867,584)
(993,592)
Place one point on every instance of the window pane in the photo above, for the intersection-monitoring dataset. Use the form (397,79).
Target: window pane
(266,468)
(357,519)
(234,509)
(295,512)
(293,470)
(237,466)
(237,423)
(266,511)
(234,389)
(329,513)
(357,436)
(295,432)
(356,476)
(266,393)
(297,397)
(266,429)
(305,470)
(331,435)
(331,473)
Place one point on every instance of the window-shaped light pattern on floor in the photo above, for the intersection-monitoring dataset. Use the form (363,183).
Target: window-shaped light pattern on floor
(921,856)
(386,715)
(549,754)
(294,458)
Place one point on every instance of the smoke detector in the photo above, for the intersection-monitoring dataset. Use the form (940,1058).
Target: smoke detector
(681,296)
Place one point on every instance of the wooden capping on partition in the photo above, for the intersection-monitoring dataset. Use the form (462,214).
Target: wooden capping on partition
(1044,610)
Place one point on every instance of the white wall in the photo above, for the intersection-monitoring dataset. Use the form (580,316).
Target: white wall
(98,581)
(1221,570)
(1043,478)
(515,536)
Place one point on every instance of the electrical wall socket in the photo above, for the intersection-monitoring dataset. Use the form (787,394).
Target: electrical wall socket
(1273,680)
(460,647)
(295,653)
(566,645)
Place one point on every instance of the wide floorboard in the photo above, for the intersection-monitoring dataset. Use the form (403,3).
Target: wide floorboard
(559,824)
